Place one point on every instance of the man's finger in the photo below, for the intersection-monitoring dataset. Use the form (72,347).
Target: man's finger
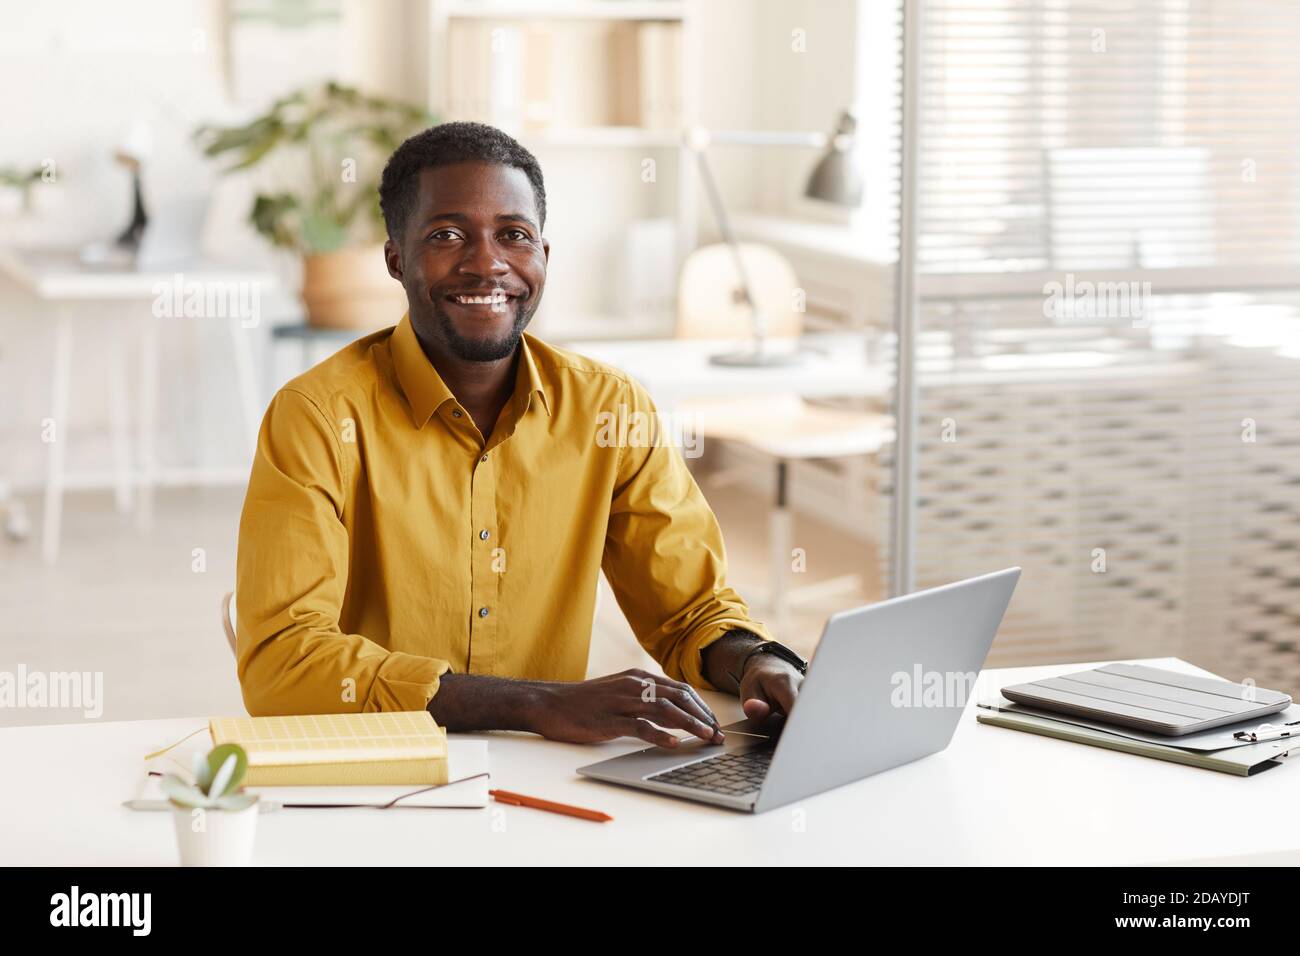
(703,706)
(781,691)
(664,712)
(687,693)
(640,727)
(682,692)
(681,696)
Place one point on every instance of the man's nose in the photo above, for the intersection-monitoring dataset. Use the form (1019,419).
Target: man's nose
(482,258)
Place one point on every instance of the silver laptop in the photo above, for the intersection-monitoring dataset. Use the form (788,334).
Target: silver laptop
(887,686)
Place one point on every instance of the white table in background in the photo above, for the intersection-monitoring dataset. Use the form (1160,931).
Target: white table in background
(71,293)
(837,365)
(676,369)
(995,796)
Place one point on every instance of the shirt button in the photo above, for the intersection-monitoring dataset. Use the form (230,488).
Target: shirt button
(455,413)
(484,458)
(483,535)
(482,612)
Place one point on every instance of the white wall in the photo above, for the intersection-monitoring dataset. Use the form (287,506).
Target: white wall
(804,81)
(77,75)
(86,70)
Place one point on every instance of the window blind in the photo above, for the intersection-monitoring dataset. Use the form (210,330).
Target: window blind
(1077,134)
(1109,259)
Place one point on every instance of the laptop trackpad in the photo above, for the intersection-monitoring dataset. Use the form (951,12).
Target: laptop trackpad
(755,731)
(742,735)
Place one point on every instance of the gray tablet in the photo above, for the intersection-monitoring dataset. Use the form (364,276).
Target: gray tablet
(1150,699)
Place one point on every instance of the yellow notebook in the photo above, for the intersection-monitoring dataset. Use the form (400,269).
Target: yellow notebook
(400,748)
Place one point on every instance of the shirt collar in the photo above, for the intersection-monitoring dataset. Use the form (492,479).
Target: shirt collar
(425,390)
(528,381)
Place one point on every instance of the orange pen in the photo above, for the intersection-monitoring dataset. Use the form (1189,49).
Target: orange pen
(519,800)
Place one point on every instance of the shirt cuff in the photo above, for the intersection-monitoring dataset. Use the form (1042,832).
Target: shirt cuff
(405,682)
(691,653)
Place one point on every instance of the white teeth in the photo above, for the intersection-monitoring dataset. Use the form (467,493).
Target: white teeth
(479,299)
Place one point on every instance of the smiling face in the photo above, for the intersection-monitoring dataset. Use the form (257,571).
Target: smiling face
(472,259)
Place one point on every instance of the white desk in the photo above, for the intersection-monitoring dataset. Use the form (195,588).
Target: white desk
(74,292)
(995,796)
(673,369)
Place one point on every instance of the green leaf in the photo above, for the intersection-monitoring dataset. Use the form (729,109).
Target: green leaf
(228,764)
(236,801)
(181,793)
(317,127)
(260,148)
(202,773)
(217,141)
(321,232)
(276,217)
(13,176)
(222,778)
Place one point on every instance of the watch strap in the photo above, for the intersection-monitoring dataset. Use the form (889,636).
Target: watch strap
(777,650)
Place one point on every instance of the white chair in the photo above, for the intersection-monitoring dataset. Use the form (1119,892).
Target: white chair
(710,298)
(228,618)
(783,427)
(13,516)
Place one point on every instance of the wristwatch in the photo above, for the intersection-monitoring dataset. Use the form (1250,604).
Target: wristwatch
(777,650)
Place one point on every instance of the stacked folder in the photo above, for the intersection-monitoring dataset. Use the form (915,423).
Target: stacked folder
(1233,747)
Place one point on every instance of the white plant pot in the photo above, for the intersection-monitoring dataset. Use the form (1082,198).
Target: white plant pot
(215,837)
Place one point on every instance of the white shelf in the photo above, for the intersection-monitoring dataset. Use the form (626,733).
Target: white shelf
(580,9)
(592,131)
(832,240)
(605,137)
(588,328)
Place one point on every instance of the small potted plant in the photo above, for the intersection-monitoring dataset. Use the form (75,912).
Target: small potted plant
(215,820)
(328,146)
(16,188)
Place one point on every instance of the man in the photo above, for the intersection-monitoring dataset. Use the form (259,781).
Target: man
(430,508)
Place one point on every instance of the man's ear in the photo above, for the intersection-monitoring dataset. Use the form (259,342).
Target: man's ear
(546,251)
(393,259)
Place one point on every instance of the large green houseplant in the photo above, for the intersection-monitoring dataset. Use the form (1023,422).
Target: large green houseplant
(326,147)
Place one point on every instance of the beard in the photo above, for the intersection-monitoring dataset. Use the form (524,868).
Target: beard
(482,350)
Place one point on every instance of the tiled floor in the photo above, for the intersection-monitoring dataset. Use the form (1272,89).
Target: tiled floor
(143,609)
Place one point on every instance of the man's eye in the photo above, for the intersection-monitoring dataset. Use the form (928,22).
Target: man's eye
(517,235)
(443,235)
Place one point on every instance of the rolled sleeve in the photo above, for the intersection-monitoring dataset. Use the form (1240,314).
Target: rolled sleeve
(404,682)
(292,574)
(665,559)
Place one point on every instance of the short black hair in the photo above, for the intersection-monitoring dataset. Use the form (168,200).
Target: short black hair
(444,145)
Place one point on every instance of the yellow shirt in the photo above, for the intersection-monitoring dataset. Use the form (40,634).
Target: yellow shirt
(383,542)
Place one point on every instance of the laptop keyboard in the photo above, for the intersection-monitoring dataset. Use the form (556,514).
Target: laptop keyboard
(734,774)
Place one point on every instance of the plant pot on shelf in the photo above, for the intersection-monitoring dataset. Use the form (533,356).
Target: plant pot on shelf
(351,289)
(214,837)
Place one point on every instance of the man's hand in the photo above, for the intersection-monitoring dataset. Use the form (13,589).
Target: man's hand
(765,684)
(623,705)
(768,686)
(581,712)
